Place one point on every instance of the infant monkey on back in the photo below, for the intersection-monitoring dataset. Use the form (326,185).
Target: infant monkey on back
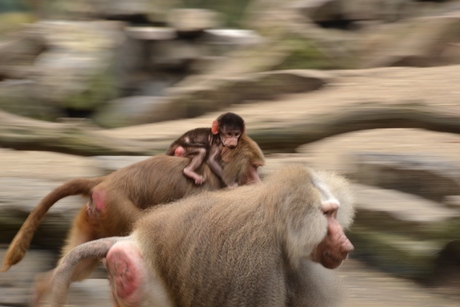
(206,144)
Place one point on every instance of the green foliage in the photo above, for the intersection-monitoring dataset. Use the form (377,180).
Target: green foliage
(14,13)
(101,88)
(14,20)
(232,11)
(7,6)
(305,55)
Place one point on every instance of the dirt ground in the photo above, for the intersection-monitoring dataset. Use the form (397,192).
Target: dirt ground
(368,287)
(365,287)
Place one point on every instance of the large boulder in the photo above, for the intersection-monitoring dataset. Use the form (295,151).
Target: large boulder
(420,42)
(22,187)
(126,111)
(15,284)
(16,204)
(76,72)
(135,10)
(345,12)
(206,95)
(193,20)
(69,66)
(17,96)
(402,233)
(430,177)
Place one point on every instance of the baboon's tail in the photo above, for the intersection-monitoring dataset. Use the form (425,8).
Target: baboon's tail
(21,241)
(62,276)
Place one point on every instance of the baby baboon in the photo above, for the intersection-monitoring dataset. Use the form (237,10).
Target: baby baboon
(207,143)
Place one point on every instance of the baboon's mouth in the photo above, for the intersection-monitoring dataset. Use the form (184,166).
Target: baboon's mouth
(330,261)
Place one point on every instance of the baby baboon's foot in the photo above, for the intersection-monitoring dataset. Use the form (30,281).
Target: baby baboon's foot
(199,180)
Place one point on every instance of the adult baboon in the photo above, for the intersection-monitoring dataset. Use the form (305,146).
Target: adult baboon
(117,200)
(255,245)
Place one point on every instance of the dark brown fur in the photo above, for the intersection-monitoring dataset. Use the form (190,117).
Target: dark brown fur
(206,144)
(251,246)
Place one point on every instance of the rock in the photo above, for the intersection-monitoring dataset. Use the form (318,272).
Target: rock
(19,52)
(193,20)
(420,42)
(320,10)
(146,10)
(15,284)
(17,96)
(174,54)
(23,48)
(401,233)
(234,36)
(452,201)
(25,178)
(43,165)
(426,176)
(13,15)
(19,196)
(130,62)
(77,70)
(387,10)
(328,12)
(159,86)
(224,40)
(71,65)
(109,164)
(214,94)
(91,293)
(126,111)
(406,208)
(151,33)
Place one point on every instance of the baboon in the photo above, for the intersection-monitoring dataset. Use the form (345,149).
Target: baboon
(117,200)
(207,143)
(268,244)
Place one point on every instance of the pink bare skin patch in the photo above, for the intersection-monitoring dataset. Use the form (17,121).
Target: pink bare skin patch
(98,200)
(127,273)
(179,151)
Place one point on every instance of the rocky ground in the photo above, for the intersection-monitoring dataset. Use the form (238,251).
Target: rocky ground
(366,285)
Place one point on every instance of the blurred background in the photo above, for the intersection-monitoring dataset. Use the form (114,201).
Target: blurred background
(366,88)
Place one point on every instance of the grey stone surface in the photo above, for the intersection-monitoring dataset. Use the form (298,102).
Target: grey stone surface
(452,201)
(151,33)
(49,166)
(193,20)
(75,71)
(15,283)
(401,233)
(125,111)
(420,42)
(427,176)
(152,10)
(108,164)
(17,96)
(18,196)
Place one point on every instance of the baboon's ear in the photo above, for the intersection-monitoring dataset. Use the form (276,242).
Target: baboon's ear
(215,127)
